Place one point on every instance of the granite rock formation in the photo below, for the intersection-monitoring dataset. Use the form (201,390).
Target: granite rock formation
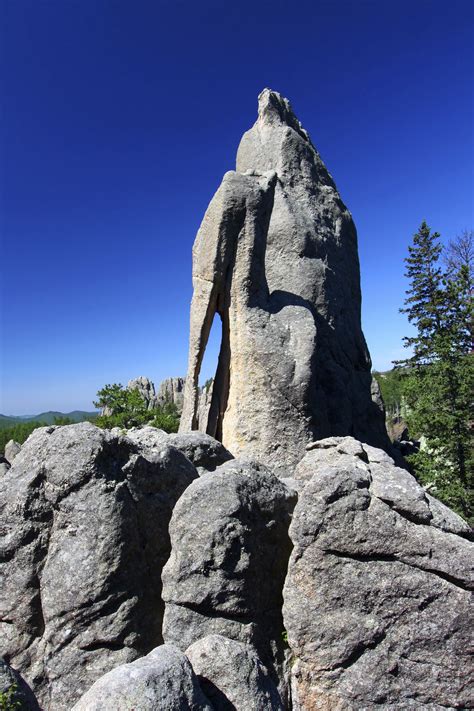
(377,596)
(229,552)
(232,676)
(202,450)
(161,681)
(85,514)
(276,259)
(12,448)
(172,390)
(146,388)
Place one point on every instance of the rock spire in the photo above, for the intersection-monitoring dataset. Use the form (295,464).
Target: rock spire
(276,258)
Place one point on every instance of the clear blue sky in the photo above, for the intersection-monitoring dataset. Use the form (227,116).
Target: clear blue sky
(119,119)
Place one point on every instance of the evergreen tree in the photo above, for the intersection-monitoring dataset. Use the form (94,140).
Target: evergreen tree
(438,377)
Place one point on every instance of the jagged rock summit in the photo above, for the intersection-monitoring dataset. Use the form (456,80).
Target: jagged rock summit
(276,257)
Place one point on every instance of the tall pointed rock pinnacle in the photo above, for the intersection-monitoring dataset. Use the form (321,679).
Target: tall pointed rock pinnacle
(276,258)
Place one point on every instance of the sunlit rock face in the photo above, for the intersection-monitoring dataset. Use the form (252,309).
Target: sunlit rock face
(276,258)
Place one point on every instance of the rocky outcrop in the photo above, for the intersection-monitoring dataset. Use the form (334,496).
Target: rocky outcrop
(376,600)
(232,676)
(4,466)
(146,389)
(171,390)
(205,452)
(230,547)
(204,405)
(12,448)
(161,681)
(276,259)
(85,517)
(15,693)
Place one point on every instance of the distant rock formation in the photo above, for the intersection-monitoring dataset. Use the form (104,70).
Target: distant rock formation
(146,389)
(12,448)
(170,390)
(204,405)
(276,258)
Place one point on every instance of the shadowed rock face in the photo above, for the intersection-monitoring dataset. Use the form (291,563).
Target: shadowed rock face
(276,258)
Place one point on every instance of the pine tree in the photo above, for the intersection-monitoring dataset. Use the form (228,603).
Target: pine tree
(439,377)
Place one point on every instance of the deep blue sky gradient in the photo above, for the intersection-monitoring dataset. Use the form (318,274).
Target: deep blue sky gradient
(119,119)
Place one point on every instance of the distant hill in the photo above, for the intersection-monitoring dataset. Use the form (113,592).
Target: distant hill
(46,417)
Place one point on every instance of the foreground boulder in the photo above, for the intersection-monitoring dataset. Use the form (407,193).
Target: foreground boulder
(230,548)
(205,452)
(376,601)
(232,676)
(85,515)
(161,681)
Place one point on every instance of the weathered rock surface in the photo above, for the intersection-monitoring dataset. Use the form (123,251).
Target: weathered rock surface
(232,676)
(161,681)
(376,601)
(146,388)
(15,689)
(12,448)
(230,547)
(276,259)
(172,390)
(4,466)
(205,452)
(204,402)
(85,518)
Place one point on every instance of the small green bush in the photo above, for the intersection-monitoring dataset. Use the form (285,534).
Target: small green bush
(8,702)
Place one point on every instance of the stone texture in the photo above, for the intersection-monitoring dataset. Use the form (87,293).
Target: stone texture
(14,688)
(12,448)
(276,259)
(161,681)
(4,466)
(230,547)
(172,390)
(146,389)
(205,452)
(376,395)
(204,401)
(84,515)
(232,676)
(376,600)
